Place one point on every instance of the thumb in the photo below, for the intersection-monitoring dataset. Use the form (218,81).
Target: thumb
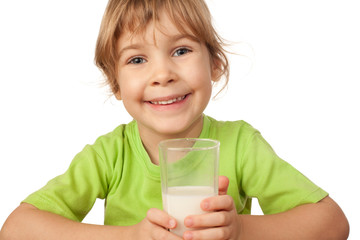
(223,185)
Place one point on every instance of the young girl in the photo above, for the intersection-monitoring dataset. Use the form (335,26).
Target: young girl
(161,59)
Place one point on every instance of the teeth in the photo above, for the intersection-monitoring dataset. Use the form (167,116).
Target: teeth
(168,101)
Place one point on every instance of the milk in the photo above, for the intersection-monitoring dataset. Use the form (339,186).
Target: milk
(180,202)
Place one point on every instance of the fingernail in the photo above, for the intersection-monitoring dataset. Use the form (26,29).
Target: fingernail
(172,223)
(188,236)
(205,205)
(188,222)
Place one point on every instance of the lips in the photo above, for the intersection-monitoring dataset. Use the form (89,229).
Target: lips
(168,100)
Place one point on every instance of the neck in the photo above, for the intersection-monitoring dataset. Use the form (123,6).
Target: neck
(151,138)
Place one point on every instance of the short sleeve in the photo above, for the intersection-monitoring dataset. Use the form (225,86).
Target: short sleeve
(73,193)
(275,183)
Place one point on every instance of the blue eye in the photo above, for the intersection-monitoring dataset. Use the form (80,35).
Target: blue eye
(137,60)
(181,51)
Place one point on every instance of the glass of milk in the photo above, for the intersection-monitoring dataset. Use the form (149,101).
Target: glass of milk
(189,174)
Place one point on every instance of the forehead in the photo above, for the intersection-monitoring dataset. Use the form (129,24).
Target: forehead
(163,25)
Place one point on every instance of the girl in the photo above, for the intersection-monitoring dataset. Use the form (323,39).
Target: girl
(161,59)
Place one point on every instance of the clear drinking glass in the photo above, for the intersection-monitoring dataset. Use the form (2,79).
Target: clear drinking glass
(189,174)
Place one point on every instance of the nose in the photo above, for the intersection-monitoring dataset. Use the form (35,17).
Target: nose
(163,73)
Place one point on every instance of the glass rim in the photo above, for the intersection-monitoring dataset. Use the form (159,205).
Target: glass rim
(164,144)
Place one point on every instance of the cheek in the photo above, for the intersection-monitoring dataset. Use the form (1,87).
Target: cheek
(130,92)
(129,86)
(201,76)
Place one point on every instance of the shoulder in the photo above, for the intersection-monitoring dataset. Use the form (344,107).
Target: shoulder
(117,136)
(230,129)
(110,145)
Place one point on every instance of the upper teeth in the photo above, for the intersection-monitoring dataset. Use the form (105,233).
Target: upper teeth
(169,101)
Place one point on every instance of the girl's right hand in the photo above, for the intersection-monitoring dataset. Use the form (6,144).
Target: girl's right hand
(154,226)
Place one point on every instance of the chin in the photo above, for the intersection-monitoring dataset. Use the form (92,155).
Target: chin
(175,129)
(172,132)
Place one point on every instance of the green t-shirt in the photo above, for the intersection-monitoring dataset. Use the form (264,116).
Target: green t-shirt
(117,168)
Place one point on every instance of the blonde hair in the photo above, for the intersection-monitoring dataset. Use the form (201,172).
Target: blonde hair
(134,16)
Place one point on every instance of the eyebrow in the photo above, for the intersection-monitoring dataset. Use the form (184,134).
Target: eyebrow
(132,46)
(177,37)
(174,38)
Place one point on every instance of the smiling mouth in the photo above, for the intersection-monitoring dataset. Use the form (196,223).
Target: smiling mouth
(170,101)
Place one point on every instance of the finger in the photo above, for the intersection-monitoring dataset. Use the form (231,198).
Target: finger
(213,219)
(161,233)
(218,203)
(223,185)
(161,218)
(207,234)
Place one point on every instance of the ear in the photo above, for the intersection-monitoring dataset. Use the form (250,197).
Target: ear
(118,95)
(116,90)
(215,70)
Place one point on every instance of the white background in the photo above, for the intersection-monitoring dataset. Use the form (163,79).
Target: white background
(298,85)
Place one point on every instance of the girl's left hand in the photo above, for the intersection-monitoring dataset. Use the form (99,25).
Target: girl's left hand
(221,221)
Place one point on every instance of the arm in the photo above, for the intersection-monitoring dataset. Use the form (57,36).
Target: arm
(28,222)
(322,220)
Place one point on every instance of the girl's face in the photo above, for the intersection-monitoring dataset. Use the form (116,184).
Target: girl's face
(165,80)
